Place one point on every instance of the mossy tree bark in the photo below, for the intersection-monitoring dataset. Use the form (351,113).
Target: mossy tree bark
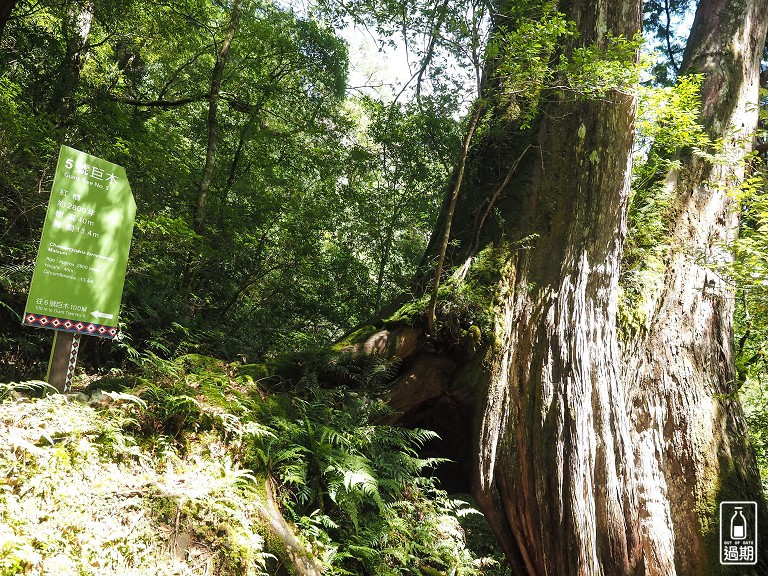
(293,557)
(689,432)
(589,454)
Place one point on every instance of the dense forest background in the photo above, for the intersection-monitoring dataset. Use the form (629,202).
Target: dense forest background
(272,217)
(279,209)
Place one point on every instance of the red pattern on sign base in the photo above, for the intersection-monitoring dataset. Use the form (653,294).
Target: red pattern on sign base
(67,325)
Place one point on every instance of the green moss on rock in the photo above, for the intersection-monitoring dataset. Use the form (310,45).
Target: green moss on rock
(359,335)
(253,371)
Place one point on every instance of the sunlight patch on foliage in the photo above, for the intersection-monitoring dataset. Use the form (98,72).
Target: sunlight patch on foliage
(79,496)
(167,475)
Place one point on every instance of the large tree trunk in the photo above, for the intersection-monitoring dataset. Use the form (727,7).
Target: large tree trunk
(689,430)
(555,462)
(592,456)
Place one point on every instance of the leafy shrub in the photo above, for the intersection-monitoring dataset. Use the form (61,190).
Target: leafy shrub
(358,489)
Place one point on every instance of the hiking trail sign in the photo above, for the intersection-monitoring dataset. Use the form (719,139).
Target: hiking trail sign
(77,284)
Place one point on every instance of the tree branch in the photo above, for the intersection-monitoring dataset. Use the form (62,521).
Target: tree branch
(161,103)
(495,197)
(449,216)
(670,51)
(179,70)
(5,14)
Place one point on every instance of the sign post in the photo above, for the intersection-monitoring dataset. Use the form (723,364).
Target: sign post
(79,273)
(61,365)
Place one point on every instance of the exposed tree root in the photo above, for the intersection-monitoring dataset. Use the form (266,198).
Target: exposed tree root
(298,560)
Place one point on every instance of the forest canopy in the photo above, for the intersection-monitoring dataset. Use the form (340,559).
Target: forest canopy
(318,203)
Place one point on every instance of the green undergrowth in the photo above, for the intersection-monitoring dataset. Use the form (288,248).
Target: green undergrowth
(164,473)
(79,494)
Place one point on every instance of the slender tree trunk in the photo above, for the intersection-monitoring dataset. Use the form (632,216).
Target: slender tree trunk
(6,7)
(76,29)
(386,249)
(594,456)
(213,119)
(245,134)
(448,220)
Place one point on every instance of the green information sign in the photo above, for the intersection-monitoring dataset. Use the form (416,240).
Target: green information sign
(78,280)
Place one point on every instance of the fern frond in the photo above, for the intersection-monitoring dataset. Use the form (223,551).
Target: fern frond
(7,271)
